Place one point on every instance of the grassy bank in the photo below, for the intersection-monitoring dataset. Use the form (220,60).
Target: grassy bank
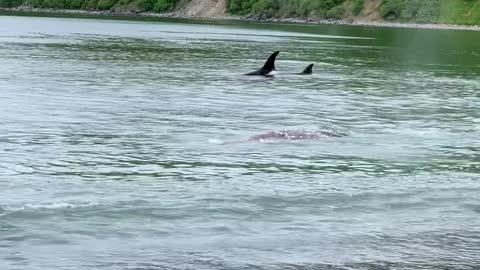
(461,12)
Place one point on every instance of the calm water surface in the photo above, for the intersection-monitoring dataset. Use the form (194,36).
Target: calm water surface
(124,145)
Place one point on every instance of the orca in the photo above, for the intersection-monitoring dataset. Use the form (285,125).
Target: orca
(267,68)
(294,135)
(308,70)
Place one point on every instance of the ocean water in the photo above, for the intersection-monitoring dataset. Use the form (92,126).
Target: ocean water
(125,145)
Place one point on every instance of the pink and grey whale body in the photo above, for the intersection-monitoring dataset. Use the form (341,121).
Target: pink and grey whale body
(285,135)
(294,135)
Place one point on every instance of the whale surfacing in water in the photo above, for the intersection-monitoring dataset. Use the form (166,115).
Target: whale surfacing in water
(294,135)
(308,70)
(267,68)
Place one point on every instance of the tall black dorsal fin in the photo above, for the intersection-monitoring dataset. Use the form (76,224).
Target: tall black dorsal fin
(270,64)
(308,70)
(268,67)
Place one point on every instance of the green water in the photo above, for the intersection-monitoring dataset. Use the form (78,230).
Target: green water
(125,145)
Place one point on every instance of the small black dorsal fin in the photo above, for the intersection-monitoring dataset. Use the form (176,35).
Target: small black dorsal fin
(270,64)
(308,70)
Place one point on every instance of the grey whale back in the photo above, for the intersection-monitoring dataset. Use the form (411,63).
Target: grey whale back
(294,135)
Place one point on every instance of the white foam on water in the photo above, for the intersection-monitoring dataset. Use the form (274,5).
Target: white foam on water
(53,205)
(215,141)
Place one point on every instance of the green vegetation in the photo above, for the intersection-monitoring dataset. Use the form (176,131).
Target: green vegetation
(357,7)
(288,8)
(432,11)
(164,5)
(465,12)
(10,3)
(460,12)
(114,5)
(105,4)
(335,13)
(422,11)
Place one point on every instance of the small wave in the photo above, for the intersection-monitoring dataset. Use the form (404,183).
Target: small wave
(215,141)
(60,205)
(55,205)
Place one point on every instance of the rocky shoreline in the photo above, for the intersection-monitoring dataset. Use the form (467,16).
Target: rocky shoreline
(179,15)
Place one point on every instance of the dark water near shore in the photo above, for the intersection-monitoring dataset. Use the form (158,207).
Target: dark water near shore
(124,145)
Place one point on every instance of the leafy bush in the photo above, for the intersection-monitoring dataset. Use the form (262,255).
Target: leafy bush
(138,5)
(90,4)
(106,4)
(335,13)
(240,7)
(33,3)
(410,8)
(147,5)
(357,7)
(428,12)
(391,9)
(74,4)
(265,7)
(164,5)
(10,3)
(54,4)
